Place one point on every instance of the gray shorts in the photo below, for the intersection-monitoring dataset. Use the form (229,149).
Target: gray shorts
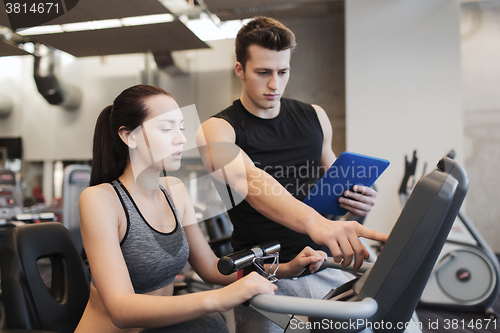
(316,285)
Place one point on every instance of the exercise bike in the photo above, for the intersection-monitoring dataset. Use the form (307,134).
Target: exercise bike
(466,275)
(385,296)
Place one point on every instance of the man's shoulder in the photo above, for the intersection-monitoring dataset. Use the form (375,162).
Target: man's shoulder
(296,104)
(227,112)
(219,126)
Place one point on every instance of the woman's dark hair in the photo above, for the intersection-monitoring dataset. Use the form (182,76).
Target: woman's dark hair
(110,153)
(265,32)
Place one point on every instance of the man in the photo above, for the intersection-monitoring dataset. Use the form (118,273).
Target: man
(280,139)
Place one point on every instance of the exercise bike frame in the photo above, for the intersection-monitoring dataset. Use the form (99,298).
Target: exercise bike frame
(434,294)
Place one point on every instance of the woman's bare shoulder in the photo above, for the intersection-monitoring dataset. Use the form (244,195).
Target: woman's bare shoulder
(101,199)
(98,193)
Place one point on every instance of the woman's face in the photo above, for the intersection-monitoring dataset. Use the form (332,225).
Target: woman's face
(160,139)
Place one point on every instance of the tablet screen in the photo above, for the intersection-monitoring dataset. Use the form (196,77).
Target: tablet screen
(349,169)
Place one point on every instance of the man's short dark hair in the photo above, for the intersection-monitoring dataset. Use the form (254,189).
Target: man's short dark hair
(265,32)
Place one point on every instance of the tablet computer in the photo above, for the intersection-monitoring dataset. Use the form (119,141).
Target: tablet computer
(349,169)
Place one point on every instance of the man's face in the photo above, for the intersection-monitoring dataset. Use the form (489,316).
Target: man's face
(265,77)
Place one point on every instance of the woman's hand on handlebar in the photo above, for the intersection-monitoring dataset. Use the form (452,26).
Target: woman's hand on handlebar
(307,256)
(238,292)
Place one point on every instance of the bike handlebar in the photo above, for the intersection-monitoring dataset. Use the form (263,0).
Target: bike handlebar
(241,259)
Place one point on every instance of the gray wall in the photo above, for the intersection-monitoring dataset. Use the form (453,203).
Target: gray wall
(403,88)
(481,102)
(318,68)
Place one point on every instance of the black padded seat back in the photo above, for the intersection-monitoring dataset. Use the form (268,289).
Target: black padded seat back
(402,270)
(29,304)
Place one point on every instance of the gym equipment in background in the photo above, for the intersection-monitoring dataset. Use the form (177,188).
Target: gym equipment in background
(76,179)
(10,197)
(466,274)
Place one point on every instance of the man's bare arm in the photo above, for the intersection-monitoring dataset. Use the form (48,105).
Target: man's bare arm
(216,142)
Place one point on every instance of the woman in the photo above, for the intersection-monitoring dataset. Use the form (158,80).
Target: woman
(139,229)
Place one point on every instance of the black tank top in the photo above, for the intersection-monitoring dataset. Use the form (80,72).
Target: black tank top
(289,148)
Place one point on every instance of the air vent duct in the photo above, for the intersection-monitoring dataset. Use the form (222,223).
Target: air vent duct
(49,86)
(5,106)
(165,62)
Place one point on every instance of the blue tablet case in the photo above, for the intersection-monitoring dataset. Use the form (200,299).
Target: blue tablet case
(349,169)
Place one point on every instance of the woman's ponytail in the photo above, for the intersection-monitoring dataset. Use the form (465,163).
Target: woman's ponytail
(105,167)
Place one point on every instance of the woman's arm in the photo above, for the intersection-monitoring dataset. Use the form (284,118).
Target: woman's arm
(201,257)
(204,261)
(100,219)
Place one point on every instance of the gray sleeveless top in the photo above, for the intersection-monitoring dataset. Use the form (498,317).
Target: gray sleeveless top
(153,258)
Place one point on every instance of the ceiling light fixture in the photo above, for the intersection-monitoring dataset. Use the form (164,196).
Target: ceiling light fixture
(206,29)
(98,25)
(41,30)
(91,25)
(147,19)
